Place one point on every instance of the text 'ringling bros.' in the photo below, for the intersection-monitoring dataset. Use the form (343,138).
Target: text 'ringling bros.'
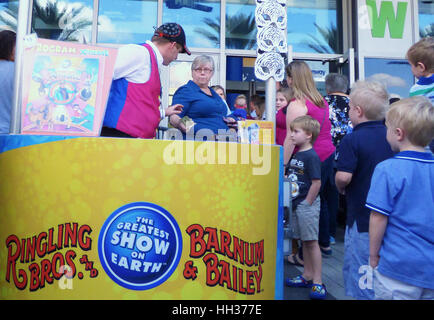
(53,262)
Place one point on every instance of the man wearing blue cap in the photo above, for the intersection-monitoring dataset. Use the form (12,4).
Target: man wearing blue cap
(134,100)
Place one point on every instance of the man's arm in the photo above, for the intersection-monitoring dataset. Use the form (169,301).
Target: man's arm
(313,191)
(342,179)
(377,227)
(132,63)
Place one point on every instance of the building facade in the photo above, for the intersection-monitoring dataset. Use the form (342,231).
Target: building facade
(361,38)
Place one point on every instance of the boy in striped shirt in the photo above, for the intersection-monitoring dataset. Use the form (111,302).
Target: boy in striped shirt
(421,58)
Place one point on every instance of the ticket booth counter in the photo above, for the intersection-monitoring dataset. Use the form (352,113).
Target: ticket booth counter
(108,218)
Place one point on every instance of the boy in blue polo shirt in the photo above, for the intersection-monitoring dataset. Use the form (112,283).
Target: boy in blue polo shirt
(359,153)
(401,197)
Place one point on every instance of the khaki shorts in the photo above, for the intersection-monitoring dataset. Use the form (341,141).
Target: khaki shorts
(305,221)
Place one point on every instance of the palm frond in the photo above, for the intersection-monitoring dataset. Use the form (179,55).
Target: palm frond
(9,18)
(329,42)
(428,31)
(240,31)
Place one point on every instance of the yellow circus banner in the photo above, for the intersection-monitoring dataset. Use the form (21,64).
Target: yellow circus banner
(107,218)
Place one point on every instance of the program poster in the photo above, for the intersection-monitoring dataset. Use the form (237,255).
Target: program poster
(105,218)
(65,88)
(256,132)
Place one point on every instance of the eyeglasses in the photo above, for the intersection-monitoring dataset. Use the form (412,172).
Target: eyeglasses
(204,70)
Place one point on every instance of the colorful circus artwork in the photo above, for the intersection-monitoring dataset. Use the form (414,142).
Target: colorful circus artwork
(65,88)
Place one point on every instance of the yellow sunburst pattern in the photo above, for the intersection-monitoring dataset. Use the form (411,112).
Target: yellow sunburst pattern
(52,186)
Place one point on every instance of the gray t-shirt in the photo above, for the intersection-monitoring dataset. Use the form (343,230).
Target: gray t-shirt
(304,167)
(7,70)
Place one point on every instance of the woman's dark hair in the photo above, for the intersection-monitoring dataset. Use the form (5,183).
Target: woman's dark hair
(7,44)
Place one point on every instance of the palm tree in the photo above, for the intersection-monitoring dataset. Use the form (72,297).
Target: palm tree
(8,16)
(329,42)
(428,31)
(214,33)
(53,19)
(240,31)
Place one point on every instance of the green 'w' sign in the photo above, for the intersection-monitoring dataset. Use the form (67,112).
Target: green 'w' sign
(387,15)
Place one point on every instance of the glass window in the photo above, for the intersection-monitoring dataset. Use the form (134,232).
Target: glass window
(130,21)
(313,26)
(8,15)
(63,20)
(395,74)
(180,74)
(240,24)
(319,70)
(426,18)
(200,20)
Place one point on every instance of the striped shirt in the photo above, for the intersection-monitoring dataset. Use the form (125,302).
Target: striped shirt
(424,87)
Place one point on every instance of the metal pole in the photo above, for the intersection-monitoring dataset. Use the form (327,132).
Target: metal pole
(270,102)
(22,23)
(94,33)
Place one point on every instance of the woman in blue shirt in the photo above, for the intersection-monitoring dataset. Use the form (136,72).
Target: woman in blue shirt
(201,103)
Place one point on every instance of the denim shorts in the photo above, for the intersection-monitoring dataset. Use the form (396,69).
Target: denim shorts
(305,221)
(356,270)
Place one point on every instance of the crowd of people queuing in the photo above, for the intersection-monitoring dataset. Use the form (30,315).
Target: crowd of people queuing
(376,155)
(350,144)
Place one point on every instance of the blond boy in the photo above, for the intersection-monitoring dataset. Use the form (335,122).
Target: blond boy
(421,58)
(401,197)
(241,102)
(359,152)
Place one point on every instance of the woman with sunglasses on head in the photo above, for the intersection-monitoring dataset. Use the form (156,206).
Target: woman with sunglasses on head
(201,103)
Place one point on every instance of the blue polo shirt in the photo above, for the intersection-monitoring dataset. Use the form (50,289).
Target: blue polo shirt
(206,111)
(359,153)
(402,188)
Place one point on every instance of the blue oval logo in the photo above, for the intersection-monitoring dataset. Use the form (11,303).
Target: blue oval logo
(140,245)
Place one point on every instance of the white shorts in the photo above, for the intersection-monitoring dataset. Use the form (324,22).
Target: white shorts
(386,288)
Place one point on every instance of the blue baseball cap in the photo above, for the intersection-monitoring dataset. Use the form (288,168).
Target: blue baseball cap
(173,32)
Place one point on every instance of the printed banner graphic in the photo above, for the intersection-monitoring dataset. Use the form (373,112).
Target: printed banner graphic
(140,246)
(256,131)
(107,218)
(65,87)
